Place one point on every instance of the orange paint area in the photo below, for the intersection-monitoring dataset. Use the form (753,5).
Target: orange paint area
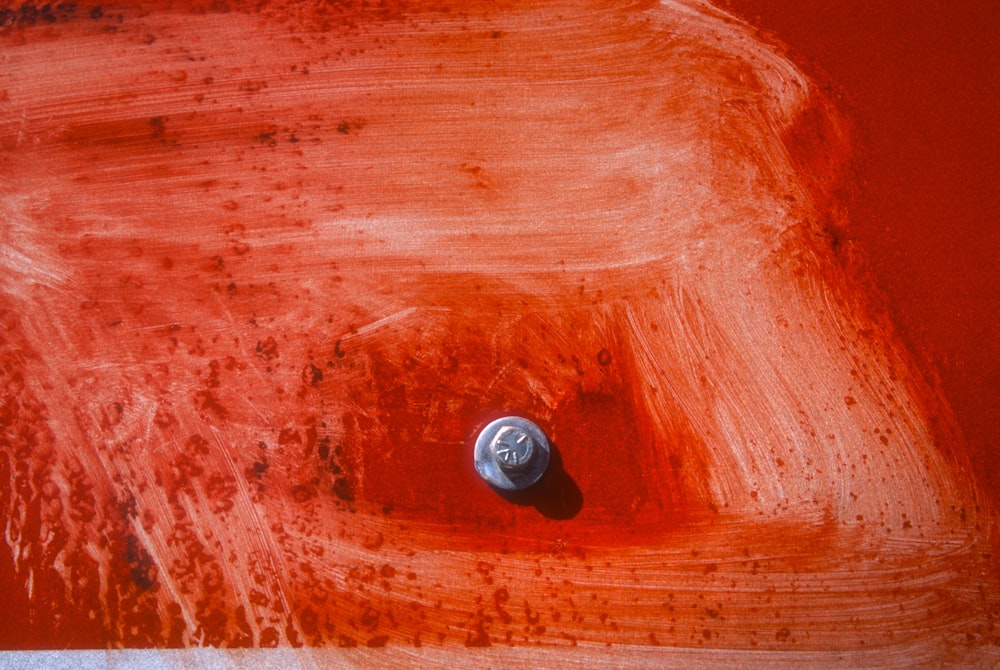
(265,273)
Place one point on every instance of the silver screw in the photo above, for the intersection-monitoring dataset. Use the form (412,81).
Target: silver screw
(513,448)
(512,453)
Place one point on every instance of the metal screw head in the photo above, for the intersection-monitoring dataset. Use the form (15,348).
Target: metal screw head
(512,448)
(512,453)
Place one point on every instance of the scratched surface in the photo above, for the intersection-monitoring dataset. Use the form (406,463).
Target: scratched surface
(266,271)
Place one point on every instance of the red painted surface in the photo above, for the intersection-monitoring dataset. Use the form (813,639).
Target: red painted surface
(920,84)
(268,271)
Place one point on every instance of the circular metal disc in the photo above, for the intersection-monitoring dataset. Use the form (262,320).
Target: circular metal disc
(511,479)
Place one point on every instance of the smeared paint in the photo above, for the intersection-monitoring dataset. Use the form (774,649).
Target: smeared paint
(267,272)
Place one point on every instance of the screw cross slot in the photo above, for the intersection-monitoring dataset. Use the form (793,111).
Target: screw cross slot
(513,448)
(512,453)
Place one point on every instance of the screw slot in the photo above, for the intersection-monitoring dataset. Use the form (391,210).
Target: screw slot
(512,453)
(513,448)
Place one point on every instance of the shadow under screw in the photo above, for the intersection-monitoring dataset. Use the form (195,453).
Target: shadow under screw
(555,495)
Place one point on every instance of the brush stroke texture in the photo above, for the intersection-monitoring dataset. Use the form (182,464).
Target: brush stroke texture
(265,271)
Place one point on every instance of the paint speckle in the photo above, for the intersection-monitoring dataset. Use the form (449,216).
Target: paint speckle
(250,321)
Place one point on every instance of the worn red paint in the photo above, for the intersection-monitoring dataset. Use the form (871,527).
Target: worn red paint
(919,84)
(271,270)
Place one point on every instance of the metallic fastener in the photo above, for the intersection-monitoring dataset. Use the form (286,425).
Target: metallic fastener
(512,453)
